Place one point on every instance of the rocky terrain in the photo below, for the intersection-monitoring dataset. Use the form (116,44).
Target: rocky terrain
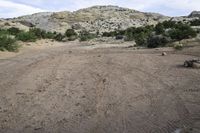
(93,19)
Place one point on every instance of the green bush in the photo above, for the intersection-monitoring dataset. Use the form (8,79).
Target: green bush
(8,43)
(38,32)
(59,37)
(129,35)
(141,39)
(178,46)
(169,24)
(156,41)
(85,35)
(109,34)
(14,31)
(49,35)
(3,32)
(26,37)
(70,32)
(72,38)
(195,22)
(159,29)
(182,31)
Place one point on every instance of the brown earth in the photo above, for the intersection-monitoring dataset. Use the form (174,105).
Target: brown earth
(73,89)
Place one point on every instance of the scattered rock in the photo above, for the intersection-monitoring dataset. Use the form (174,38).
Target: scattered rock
(196,65)
(192,63)
(38,128)
(164,54)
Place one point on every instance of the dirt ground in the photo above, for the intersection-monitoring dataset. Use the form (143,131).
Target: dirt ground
(77,89)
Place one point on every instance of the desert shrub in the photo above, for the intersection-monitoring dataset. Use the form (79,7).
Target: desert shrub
(182,31)
(59,37)
(8,43)
(85,35)
(42,34)
(119,37)
(159,29)
(3,32)
(106,34)
(169,24)
(141,39)
(49,35)
(14,31)
(178,46)
(26,37)
(109,34)
(129,35)
(38,32)
(70,32)
(195,22)
(157,41)
(72,38)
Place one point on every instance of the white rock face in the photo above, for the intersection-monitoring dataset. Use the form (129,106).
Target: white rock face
(96,19)
(93,19)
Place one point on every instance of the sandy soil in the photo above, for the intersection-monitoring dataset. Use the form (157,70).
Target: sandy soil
(73,89)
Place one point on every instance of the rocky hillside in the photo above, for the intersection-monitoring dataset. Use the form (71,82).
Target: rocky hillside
(93,19)
(195,14)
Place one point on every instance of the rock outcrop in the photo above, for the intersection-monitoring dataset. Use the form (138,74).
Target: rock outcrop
(194,14)
(94,19)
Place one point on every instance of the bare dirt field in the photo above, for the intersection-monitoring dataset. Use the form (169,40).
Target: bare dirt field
(76,89)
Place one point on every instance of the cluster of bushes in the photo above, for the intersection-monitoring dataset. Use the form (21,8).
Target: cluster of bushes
(85,35)
(7,41)
(156,36)
(9,37)
(195,22)
(147,36)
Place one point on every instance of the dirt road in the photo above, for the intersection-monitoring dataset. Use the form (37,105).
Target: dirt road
(71,89)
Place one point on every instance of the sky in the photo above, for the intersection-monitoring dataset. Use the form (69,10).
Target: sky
(15,8)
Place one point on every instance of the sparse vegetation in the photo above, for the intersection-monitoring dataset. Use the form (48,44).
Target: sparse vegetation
(178,46)
(59,37)
(70,32)
(148,36)
(195,22)
(14,31)
(26,37)
(8,43)
(157,41)
(156,36)
(71,35)
(85,35)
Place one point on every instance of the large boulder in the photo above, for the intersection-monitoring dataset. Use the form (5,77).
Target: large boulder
(192,63)
(196,65)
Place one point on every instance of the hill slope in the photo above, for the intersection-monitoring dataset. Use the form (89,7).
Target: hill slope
(93,19)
